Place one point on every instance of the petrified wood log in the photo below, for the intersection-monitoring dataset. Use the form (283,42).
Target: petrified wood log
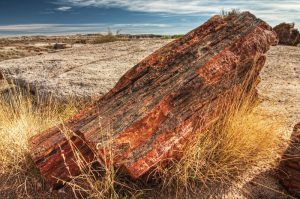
(160,104)
(290,164)
(287,34)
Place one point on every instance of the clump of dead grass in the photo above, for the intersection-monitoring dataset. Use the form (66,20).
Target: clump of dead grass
(231,13)
(100,179)
(20,118)
(248,137)
(221,155)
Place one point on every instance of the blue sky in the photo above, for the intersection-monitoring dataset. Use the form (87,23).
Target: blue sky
(38,17)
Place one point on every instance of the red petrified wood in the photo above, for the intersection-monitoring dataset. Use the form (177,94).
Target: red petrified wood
(290,164)
(160,104)
(287,34)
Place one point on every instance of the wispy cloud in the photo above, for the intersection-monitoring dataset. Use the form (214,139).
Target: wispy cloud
(189,7)
(64,8)
(273,11)
(169,16)
(168,6)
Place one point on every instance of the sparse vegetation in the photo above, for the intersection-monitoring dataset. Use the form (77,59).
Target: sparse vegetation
(171,36)
(16,47)
(249,137)
(21,118)
(245,140)
(109,37)
(231,13)
(219,158)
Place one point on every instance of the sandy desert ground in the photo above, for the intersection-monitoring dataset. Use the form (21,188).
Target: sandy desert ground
(89,71)
(85,71)
(92,70)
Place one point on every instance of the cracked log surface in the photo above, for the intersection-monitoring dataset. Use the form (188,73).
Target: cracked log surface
(160,104)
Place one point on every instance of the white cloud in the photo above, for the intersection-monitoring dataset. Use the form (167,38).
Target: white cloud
(274,11)
(169,6)
(63,8)
(188,6)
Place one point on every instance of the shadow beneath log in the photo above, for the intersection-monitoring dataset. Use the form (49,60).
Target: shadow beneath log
(265,185)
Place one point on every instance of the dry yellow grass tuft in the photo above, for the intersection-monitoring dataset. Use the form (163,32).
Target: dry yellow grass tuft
(248,137)
(21,118)
(101,180)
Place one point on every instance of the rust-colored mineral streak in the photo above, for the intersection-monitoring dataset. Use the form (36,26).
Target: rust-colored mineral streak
(160,104)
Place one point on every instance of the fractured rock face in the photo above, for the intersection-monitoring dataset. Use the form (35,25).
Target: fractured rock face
(290,164)
(287,34)
(159,106)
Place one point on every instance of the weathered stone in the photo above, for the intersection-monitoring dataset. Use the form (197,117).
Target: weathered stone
(58,46)
(290,164)
(287,34)
(159,105)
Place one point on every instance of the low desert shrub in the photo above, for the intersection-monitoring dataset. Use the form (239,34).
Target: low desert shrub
(109,37)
